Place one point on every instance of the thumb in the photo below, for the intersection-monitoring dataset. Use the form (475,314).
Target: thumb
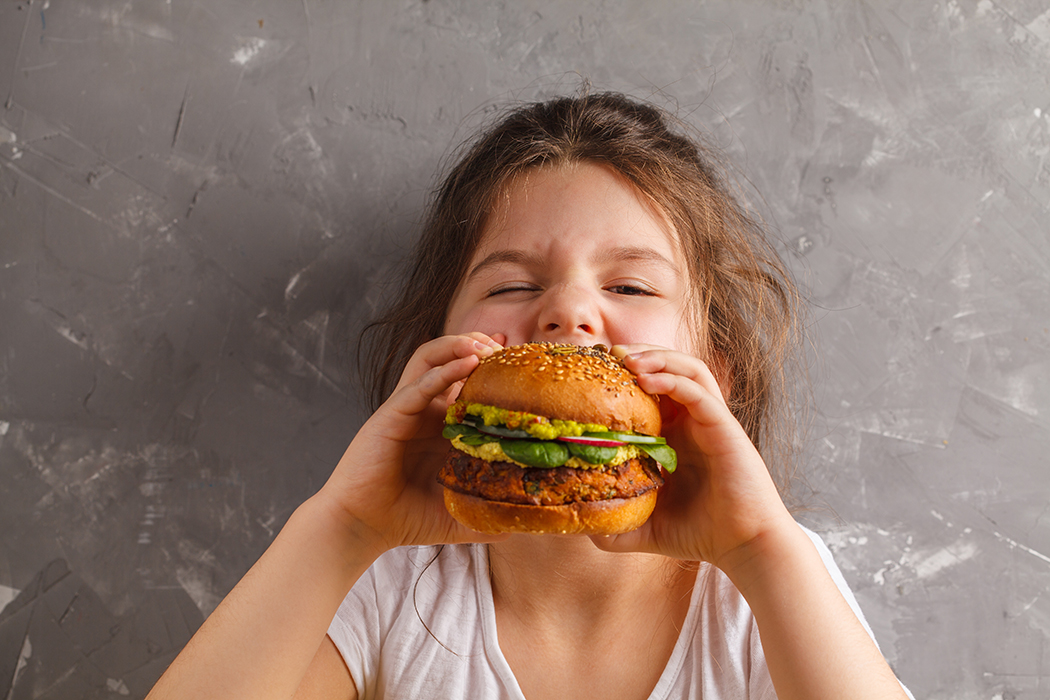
(633,541)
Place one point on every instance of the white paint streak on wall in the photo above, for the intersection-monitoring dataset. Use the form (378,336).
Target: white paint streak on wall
(1017,545)
(1020,394)
(249,49)
(119,19)
(1040,27)
(290,292)
(906,425)
(302,149)
(952,11)
(197,585)
(78,339)
(962,274)
(928,565)
(7,594)
(118,686)
(879,577)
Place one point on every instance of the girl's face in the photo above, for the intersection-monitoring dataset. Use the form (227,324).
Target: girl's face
(574,254)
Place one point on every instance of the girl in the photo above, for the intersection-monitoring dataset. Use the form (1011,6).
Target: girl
(581,220)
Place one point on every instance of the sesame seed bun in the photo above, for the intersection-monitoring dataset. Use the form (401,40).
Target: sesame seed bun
(566,383)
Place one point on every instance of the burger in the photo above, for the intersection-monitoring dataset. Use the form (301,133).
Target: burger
(550,438)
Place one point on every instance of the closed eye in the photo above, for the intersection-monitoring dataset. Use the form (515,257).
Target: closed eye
(631,290)
(510,288)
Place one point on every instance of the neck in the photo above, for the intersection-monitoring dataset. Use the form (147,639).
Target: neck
(552,577)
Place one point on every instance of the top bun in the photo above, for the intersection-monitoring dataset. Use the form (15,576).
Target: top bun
(564,382)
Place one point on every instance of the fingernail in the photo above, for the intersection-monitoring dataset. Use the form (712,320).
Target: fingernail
(483,348)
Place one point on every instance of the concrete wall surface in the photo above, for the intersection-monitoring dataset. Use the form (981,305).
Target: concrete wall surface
(201,201)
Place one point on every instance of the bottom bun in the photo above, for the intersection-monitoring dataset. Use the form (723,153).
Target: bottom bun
(610,517)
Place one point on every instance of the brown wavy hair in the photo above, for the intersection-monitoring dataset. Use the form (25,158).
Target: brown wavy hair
(743,308)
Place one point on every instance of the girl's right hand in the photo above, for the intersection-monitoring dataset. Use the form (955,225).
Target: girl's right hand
(384,489)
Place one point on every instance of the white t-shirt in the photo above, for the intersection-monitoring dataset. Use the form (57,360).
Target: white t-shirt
(420,624)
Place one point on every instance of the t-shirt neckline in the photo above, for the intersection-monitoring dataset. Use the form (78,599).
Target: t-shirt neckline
(483,586)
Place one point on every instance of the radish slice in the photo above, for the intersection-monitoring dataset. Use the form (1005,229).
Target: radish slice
(594,442)
(630,437)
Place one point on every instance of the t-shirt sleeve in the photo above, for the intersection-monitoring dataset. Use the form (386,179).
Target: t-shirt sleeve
(759,684)
(357,628)
(840,581)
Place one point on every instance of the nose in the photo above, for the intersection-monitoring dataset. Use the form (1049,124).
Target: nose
(570,314)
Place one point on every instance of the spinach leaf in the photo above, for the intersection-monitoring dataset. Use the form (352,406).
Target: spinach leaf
(468,435)
(536,453)
(664,454)
(451,431)
(592,454)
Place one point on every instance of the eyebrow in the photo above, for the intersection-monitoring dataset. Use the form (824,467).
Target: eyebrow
(500,257)
(637,254)
(618,254)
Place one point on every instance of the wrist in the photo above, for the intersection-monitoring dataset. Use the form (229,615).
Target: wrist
(347,538)
(767,556)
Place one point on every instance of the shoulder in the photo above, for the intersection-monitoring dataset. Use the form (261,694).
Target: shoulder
(728,607)
(723,655)
(836,575)
(406,580)
(415,625)
(398,573)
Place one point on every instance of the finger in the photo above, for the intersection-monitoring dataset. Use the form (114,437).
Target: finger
(638,540)
(443,350)
(411,400)
(453,393)
(713,427)
(648,359)
(495,342)
(622,351)
(703,405)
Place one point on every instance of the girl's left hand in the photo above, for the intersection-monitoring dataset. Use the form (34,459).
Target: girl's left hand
(721,498)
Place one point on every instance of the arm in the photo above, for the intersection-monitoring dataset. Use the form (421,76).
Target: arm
(814,644)
(722,506)
(328,676)
(270,631)
(262,638)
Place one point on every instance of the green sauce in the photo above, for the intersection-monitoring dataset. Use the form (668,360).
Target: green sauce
(536,426)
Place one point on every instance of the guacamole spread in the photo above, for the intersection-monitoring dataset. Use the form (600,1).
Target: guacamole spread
(493,452)
(536,426)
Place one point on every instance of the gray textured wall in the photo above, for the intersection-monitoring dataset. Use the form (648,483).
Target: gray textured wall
(200,200)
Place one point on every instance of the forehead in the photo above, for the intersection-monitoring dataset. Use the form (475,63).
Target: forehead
(577,198)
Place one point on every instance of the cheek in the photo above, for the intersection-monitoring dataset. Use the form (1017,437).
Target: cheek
(665,327)
(487,321)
